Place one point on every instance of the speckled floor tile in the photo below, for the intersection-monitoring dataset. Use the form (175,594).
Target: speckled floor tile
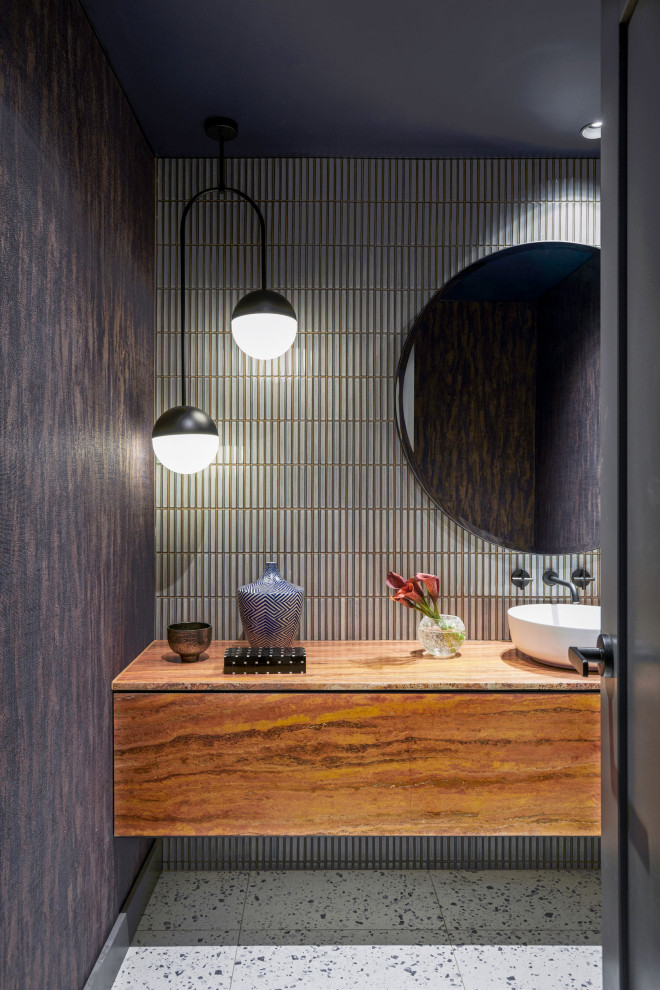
(359,936)
(352,930)
(338,964)
(526,936)
(211,900)
(350,899)
(148,937)
(529,967)
(202,968)
(534,899)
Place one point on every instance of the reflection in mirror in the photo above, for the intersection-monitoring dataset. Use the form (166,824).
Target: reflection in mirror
(498,392)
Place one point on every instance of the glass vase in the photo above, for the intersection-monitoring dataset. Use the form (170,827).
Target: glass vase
(443,638)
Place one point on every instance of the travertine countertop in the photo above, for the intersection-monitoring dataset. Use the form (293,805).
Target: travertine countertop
(358,665)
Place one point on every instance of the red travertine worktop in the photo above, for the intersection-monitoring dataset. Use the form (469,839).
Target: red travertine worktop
(359,665)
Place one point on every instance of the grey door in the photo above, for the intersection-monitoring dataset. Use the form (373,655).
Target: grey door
(630,416)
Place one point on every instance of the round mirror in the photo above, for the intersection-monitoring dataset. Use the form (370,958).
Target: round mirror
(497,397)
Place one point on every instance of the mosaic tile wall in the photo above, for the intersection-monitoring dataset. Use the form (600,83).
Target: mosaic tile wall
(383,852)
(310,471)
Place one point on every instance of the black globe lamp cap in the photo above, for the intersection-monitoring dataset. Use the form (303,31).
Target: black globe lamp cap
(184,419)
(263,301)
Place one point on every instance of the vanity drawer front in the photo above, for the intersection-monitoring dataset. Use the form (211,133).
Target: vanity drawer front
(505,764)
(261,764)
(338,763)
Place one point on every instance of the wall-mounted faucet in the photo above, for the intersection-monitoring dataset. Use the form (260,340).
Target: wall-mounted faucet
(551,578)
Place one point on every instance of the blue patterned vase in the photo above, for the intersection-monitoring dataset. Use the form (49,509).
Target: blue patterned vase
(270,609)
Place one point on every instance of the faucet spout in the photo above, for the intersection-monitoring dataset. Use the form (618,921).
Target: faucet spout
(551,578)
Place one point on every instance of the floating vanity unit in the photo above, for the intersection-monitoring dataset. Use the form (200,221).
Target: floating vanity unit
(376,738)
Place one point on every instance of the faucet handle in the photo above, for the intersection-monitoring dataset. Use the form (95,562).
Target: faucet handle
(521,578)
(581,578)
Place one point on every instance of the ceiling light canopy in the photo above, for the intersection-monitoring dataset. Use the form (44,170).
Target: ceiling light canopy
(263,324)
(592,131)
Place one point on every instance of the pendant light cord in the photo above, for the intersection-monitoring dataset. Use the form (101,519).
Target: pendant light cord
(219,188)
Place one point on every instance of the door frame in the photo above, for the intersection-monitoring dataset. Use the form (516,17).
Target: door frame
(616,16)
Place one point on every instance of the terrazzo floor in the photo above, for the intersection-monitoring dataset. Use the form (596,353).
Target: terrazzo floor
(390,930)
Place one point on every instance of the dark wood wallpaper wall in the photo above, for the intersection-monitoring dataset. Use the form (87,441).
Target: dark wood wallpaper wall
(76,538)
(567,413)
(475,396)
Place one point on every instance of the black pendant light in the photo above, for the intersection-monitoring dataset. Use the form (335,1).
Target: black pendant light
(263,325)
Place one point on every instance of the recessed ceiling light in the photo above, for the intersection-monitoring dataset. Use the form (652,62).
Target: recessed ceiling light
(592,131)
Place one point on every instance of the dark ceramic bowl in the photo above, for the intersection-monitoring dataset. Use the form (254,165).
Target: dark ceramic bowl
(189,639)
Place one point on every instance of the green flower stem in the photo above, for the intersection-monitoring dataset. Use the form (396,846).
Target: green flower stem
(426,609)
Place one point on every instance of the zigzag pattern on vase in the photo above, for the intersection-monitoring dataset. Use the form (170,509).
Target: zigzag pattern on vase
(270,609)
(271,621)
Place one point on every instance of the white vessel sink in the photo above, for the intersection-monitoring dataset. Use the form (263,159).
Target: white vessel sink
(545,632)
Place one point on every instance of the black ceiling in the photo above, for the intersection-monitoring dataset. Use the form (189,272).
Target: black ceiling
(416,78)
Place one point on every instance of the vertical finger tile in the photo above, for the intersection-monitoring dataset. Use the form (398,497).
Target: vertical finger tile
(310,468)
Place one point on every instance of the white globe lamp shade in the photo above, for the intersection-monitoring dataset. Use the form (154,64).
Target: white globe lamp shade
(264,325)
(185,439)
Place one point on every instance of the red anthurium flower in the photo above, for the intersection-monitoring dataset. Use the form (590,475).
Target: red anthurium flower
(412,593)
(408,593)
(432,583)
(417,587)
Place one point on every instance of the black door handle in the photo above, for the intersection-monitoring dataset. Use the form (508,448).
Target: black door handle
(602,654)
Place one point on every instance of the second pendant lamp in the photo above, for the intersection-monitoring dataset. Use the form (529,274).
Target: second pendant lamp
(263,324)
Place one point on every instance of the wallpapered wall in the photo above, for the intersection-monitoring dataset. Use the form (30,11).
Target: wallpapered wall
(76,539)
(310,470)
